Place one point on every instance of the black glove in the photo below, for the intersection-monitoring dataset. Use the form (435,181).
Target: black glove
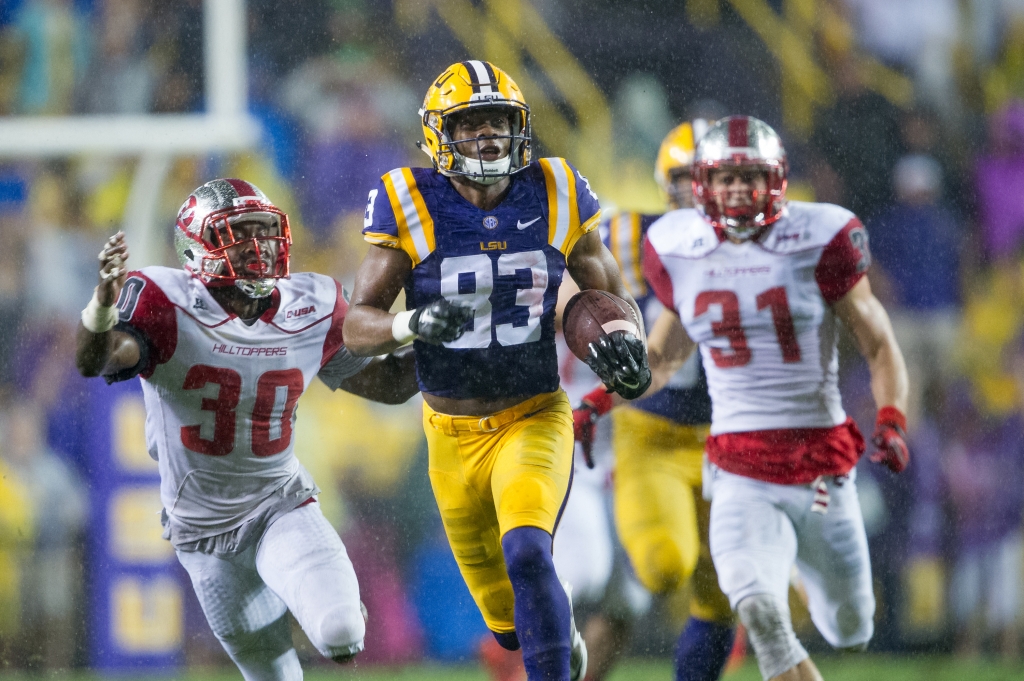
(441,321)
(620,361)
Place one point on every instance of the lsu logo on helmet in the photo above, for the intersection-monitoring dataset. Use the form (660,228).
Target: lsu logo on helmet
(468,85)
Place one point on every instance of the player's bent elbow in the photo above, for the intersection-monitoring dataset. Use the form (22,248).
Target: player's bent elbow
(664,566)
(87,368)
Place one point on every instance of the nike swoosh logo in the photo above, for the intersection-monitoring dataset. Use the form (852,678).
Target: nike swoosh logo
(523,225)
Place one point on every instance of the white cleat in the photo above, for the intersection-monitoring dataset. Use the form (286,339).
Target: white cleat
(578,647)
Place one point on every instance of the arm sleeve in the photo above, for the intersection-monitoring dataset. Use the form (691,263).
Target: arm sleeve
(379,224)
(657,276)
(145,312)
(844,261)
(337,362)
(341,366)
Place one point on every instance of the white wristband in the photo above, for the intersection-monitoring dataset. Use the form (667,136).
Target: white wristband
(400,327)
(98,318)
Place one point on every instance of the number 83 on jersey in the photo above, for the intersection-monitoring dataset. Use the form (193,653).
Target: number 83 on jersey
(509,295)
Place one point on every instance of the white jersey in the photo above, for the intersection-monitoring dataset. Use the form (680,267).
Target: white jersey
(220,394)
(761,311)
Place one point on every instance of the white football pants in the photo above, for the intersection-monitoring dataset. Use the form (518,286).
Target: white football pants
(583,548)
(759,529)
(300,565)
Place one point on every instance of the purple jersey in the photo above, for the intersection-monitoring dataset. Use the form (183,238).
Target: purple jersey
(506,264)
(685,399)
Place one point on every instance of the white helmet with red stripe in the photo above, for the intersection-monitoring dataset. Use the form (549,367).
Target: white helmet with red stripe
(741,143)
(203,236)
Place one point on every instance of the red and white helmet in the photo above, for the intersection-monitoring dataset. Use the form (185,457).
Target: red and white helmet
(203,235)
(741,142)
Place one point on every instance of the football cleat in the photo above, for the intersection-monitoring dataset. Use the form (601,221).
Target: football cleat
(469,85)
(741,143)
(578,647)
(203,235)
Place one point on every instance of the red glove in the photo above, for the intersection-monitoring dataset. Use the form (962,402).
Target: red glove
(890,439)
(594,405)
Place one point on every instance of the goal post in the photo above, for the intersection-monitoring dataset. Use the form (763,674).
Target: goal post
(156,139)
(136,597)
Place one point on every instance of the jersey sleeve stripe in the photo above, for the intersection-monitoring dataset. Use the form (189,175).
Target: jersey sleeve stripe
(574,207)
(636,243)
(333,340)
(587,227)
(425,234)
(382,239)
(625,253)
(658,276)
(613,238)
(563,214)
(415,227)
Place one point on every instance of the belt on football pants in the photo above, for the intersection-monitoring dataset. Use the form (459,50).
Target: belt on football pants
(450,425)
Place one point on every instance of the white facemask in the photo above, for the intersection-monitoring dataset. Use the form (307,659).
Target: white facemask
(485,172)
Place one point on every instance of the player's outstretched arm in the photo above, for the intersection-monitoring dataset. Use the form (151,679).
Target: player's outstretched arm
(99,348)
(390,379)
(370,328)
(864,315)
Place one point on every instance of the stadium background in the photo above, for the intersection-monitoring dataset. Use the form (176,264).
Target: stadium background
(910,112)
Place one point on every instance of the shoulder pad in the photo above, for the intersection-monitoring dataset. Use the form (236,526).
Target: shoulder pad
(805,225)
(175,283)
(683,233)
(306,297)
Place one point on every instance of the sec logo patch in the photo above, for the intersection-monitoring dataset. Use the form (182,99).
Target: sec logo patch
(491,222)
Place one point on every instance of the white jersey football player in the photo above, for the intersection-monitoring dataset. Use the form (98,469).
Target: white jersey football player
(583,544)
(761,287)
(225,347)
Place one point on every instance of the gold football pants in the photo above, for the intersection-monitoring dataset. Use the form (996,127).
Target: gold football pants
(493,474)
(660,513)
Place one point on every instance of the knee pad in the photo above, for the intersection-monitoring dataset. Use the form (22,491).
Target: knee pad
(662,568)
(340,633)
(707,602)
(771,634)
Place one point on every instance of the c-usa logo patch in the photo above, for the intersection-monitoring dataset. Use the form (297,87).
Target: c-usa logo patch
(491,222)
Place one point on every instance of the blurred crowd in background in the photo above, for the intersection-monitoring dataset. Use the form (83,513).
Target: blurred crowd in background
(921,134)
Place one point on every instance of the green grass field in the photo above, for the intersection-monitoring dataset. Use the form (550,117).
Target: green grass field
(861,668)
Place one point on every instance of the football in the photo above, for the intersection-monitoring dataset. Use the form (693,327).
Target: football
(591,314)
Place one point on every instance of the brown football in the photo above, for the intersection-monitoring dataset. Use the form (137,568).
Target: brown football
(591,314)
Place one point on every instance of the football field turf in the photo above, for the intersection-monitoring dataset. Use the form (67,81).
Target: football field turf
(859,668)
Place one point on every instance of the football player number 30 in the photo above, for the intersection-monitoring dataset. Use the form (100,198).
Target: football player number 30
(731,326)
(470,279)
(223,406)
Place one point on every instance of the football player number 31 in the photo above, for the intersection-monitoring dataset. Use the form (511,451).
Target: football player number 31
(223,406)
(470,279)
(731,326)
